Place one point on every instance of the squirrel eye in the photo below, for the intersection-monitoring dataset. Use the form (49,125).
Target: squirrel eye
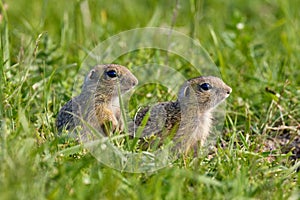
(205,86)
(112,73)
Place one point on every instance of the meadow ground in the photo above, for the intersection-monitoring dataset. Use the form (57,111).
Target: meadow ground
(255,45)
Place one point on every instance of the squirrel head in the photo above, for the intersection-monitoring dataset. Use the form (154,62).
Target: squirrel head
(204,92)
(108,79)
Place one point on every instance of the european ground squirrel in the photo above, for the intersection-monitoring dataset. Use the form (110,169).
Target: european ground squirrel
(189,118)
(98,102)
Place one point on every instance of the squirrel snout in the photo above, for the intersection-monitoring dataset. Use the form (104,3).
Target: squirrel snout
(229,90)
(134,82)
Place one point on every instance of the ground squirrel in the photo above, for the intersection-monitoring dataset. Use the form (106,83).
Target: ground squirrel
(98,102)
(189,118)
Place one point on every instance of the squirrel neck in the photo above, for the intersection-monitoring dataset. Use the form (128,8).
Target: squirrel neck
(96,98)
(192,105)
(194,126)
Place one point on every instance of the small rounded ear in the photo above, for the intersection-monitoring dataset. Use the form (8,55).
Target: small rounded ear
(186,91)
(92,74)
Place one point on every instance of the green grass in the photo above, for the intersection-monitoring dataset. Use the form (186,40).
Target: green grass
(43,44)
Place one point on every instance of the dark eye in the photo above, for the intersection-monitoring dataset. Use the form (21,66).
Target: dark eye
(112,73)
(205,86)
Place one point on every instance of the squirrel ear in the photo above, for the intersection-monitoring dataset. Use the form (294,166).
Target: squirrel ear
(92,74)
(186,91)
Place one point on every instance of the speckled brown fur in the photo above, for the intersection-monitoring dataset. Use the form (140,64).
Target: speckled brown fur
(189,117)
(98,102)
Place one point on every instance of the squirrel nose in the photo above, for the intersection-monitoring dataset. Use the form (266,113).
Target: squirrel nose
(229,90)
(135,82)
